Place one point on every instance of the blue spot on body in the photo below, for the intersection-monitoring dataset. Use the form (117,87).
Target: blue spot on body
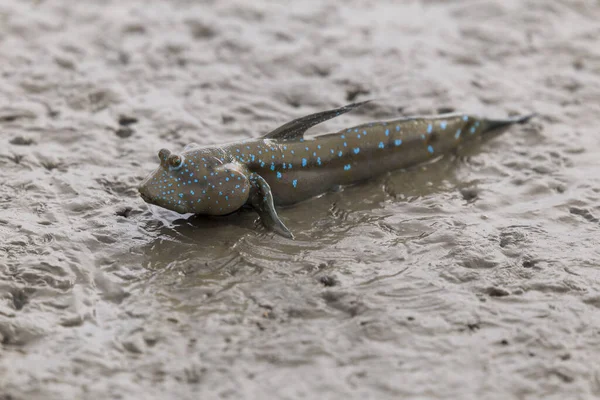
(314,153)
(356,130)
(358,136)
(465,117)
(472,130)
(365,132)
(457,134)
(180,194)
(397,128)
(295,182)
(306,148)
(429,128)
(304,162)
(272,167)
(357,150)
(340,153)
(290,166)
(381,145)
(319,160)
(387,132)
(398,142)
(430,149)
(192,192)
(345,144)
(347,167)
(443,124)
(318,146)
(279,175)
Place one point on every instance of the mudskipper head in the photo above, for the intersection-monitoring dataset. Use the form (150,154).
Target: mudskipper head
(200,181)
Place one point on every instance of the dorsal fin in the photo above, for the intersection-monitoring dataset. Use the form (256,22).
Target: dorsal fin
(295,129)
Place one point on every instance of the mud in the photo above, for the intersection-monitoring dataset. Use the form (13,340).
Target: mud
(474,277)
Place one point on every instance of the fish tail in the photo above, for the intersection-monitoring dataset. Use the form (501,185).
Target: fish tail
(495,127)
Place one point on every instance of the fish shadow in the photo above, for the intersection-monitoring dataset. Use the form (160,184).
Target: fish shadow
(200,242)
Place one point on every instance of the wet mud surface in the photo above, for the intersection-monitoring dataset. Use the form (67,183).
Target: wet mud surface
(474,277)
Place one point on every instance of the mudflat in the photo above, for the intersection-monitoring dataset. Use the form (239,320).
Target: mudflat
(473,277)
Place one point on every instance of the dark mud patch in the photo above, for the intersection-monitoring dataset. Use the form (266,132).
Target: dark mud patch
(22,141)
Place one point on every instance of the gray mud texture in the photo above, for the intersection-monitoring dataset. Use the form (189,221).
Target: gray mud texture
(476,277)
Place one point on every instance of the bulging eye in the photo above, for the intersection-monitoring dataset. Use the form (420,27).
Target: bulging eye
(163,155)
(175,161)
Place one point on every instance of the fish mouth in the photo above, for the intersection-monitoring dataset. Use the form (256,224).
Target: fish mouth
(145,198)
(143,195)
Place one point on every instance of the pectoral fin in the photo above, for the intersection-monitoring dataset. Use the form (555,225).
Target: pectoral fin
(261,199)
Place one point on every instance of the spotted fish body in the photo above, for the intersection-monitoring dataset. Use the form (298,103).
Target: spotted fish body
(283,167)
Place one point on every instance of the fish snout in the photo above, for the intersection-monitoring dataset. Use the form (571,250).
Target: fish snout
(144,197)
(144,194)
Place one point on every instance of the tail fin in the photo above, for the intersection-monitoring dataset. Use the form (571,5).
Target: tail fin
(523,119)
(495,127)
